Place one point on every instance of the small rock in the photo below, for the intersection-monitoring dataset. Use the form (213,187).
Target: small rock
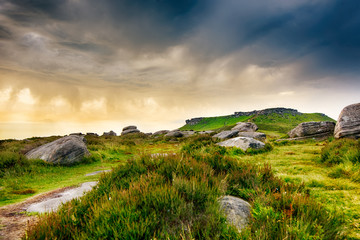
(226,134)
(348,124)
(205,132)
(242,142)
(64,151)
(238,211)
(92,134)
(245,127)
(76,134)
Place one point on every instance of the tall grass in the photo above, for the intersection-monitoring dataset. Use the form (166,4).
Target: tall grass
(176,197)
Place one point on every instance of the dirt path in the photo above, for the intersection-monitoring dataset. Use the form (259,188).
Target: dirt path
(14,219)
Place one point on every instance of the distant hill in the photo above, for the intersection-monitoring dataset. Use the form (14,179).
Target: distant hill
(279,120)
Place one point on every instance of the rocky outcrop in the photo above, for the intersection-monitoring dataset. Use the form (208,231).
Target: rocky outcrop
(205,132)
(111,133)
(175,134)
(312,130)
(161,132)
(226,134)
(268,111)
(242,142)
(245,127)
(348,124)
(188,133)
(129,129)
(237,211)
(256,135)
(64,151)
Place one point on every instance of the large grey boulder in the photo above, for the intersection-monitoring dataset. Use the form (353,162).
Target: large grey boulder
(313,130)
(226,134)
(256,135)
(64,151)
(161,132)
(129,131)
(242,142)
(348,124)
(129,127)
(245,127)
(111,133)
(237,211)
(175,134)
(188,133)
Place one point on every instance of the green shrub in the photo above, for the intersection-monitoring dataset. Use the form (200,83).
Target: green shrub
(12,161)
(341,151)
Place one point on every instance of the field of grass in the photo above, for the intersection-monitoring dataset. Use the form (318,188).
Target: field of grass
(294,191)
(274,124)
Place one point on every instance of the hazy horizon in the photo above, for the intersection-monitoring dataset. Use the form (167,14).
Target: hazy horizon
(94,66)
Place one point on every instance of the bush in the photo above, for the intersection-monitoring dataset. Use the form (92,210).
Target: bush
(341,151)
(12,161)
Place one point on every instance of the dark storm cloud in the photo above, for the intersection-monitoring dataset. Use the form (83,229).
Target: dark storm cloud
(5,33)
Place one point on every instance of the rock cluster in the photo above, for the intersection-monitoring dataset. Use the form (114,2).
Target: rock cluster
(129,129)
(161,132)
(226,134)
(64,151)
(111,133)
(348,124)
(313,130)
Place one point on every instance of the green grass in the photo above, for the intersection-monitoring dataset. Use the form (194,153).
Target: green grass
(275,125)
(212,123)
(176,197)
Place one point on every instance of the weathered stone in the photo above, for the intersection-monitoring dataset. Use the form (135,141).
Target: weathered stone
(111,133)
(226,134)
(129,127)
(245,127)
(242,142)
(313,130)
(256,135)
(129,131)
(64,151)
(348,124)
(161,132)
(238,211)
(176,134)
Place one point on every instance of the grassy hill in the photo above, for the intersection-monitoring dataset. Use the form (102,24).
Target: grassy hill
(275,122)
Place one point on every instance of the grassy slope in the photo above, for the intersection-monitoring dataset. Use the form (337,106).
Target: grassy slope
(212,123)
(272,124)
(296,164)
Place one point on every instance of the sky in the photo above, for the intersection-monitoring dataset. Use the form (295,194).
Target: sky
(93,66)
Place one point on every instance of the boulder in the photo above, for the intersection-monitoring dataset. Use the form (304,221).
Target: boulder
(245,127)
(256,135)
(129,127)
(237,211)
(64,151)
(312,130)
(226,134)
(242,142)
(205,132)
(76,134)
(161,132)
(176,134)
(111,133)
(348,124)
(129,131)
